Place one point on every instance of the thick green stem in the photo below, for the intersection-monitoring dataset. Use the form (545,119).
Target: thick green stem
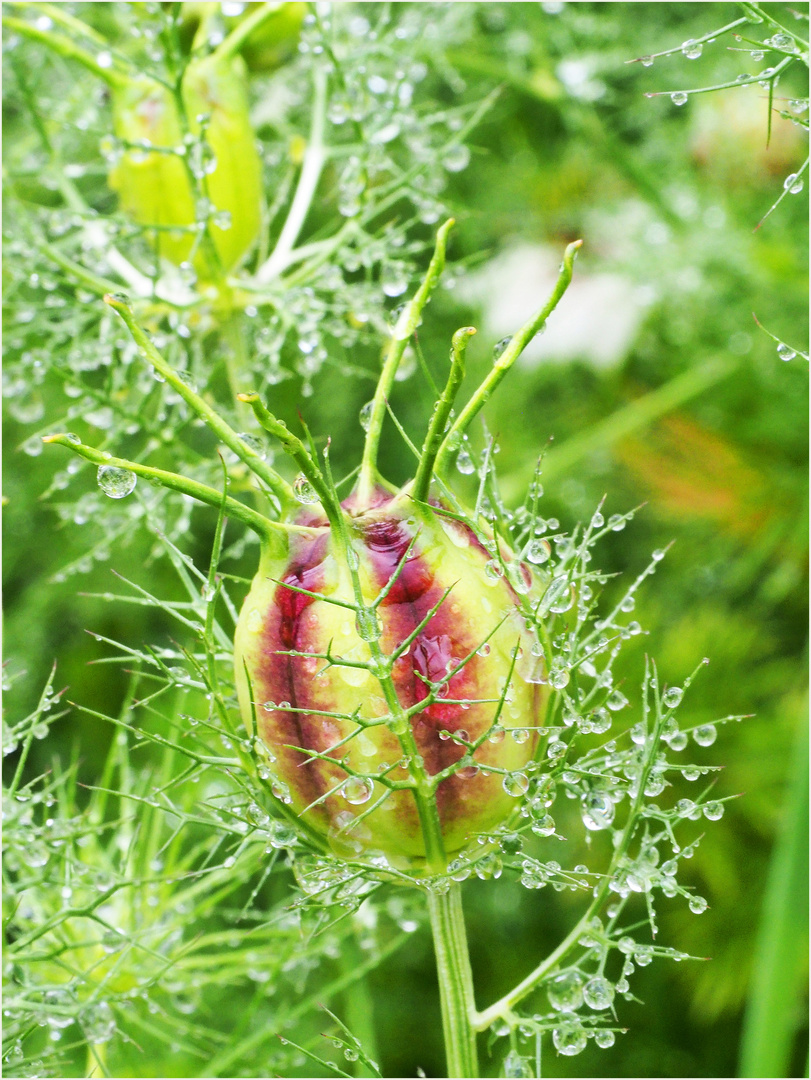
(298,451)
(280,488)
(455,981)
(518,342)
(406,325)
(314,157)
(442,410)
(265,527)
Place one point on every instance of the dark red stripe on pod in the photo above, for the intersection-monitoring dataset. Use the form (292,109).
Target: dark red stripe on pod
(282,677)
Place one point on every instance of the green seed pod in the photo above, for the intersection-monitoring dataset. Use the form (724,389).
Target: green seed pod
(154,186)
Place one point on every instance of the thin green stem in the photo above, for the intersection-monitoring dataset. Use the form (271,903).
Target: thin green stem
(298,451)
(56,14)
(697,41)
(406,325)
(265,527)
(228,48)
(92,281)
(518,342)
(442,410)
(455,981)
(504,1006)
(280,488)
(63,46)
(314,157)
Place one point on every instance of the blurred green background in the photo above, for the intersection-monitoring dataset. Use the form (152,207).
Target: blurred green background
(657,388)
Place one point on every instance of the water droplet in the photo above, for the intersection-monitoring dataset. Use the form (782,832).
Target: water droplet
(556,748)
(697,904)
(691,49)
(597,810)
(672,697)
(679,97)
(558,678)
(677,740)
(500,346)
(544,826)
(793,184)
(798,106)
(604,1039)
(465,463)
(598,993)
(565,992)
(597,520)
(351,1054)
(115,482)
(202,159)
(705,735)
(456,158)
(646,61)
(569,1040)
(493,572)
(483,649)
(600,721)
(538,552)
(256,815)
(254,443)
(713,811)
(366,415)
(782,41)
(98,1022)
(785,352)
(519,577)
(643,955)
(357,790)
(515,784)
(394,279)
(520,735)
(304,490)
(657,555)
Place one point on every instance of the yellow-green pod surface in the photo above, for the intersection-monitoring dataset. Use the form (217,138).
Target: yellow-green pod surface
(155,188)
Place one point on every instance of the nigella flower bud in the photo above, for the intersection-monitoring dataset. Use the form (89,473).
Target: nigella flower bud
(153,177)
(312,671)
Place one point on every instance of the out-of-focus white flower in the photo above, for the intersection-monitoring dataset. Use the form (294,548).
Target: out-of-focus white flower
(596,321)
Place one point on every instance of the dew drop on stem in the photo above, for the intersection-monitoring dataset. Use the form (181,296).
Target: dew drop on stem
(115,482)
(304,490)
(672,697)
(357,790)
(793,184)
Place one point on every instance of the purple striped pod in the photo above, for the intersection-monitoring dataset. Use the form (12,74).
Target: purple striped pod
(306,674)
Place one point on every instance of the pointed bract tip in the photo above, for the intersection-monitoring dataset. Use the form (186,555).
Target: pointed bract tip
(118,301)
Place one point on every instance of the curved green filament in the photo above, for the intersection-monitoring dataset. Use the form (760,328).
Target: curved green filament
(518,342)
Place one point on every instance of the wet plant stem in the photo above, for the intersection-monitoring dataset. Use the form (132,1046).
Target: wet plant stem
(518,342)
(442,410)
(314,159)
(407,323)
(280,488)
(455,981)
(263,526)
